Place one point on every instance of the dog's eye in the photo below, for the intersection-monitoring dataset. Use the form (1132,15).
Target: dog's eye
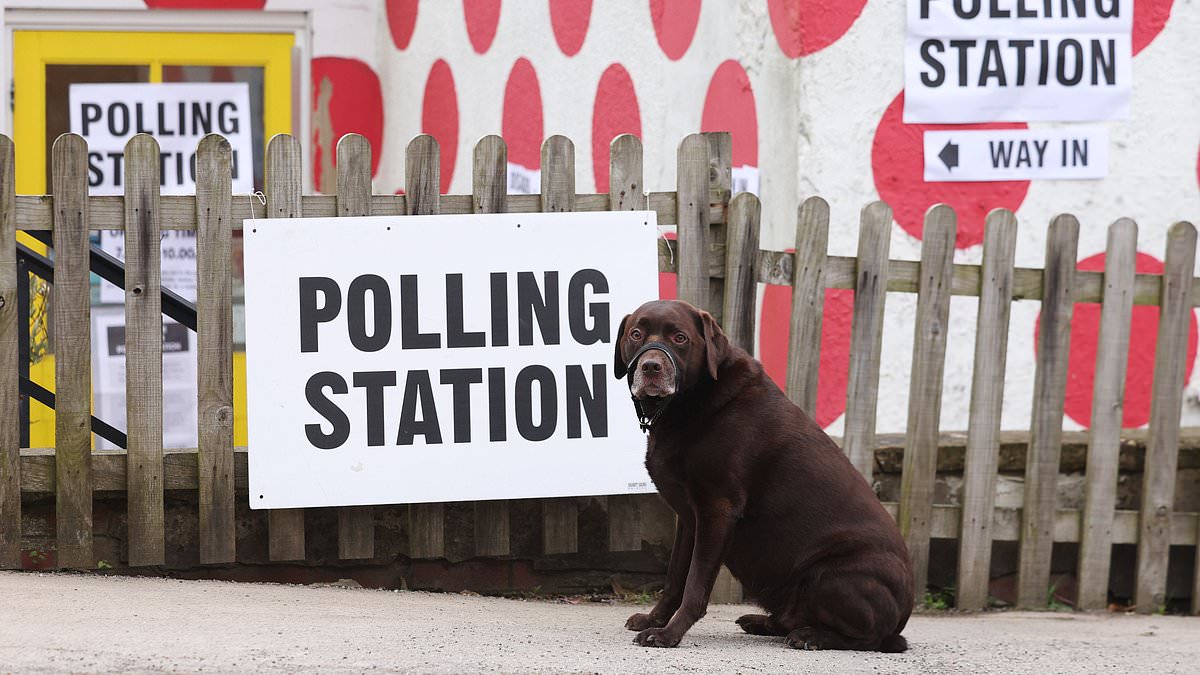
(635,334)
(679,338)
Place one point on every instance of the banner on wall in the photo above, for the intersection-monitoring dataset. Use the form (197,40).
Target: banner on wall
(178,115)
(1017,60)
(450,358)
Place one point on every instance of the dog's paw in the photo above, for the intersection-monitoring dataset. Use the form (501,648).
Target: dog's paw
(641,622)
(656,637)
(757,624)
(804,638)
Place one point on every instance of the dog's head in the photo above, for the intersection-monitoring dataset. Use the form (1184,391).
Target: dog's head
(668,346)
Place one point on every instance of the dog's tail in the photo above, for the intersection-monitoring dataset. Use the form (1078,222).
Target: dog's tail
(893,644)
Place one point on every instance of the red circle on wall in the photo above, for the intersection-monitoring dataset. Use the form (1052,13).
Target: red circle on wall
(897,162)
(675,25)
(1143,340)
(803,27)
(668,282)
(729,106)
(614,112)
(834,369)
(402,21)
(439,117)
(570,19)
(1149,18)
(482,17)
(522,121)
(355,106)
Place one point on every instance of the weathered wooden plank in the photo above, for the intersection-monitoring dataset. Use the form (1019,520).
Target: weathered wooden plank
(214,346)
(560,517)
(71,308)
(742,231)
(489,186)
(284,187)
(1108,394)
(720,179)
(356,524)
(987,396)
(1162,452)
(866,336)
(1041,470)
(925,389)
(422,177)
(34,211)
(1196,573)
(143,352)
(625,194)
(692,175)
(808,303)
(10,327)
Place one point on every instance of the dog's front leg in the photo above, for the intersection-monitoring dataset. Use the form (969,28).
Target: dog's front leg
(713,530)
(677,572)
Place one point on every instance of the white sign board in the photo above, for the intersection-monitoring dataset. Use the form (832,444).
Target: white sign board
(1017,60)
(1016,154)
(442,358)
(178,115)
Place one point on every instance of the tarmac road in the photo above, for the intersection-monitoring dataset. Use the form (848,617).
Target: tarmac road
(72,623)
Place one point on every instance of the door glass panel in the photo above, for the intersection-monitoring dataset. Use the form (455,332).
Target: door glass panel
(251,75)
(59,79)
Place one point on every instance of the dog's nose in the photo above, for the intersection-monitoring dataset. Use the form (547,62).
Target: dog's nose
(650,366)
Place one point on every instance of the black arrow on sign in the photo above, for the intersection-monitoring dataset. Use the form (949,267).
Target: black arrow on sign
(949,155)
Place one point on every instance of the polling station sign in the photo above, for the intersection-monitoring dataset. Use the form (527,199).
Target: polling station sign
(1017,60)
(1076,152)
(442,358)
(178,115)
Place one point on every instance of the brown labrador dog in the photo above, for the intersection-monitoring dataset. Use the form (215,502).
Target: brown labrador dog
(759,487)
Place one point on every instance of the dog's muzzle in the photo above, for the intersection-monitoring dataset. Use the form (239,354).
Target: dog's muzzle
(647,421)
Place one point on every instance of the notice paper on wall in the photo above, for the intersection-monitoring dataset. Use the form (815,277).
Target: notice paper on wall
(1071,153)
(448,358)
(1017,60)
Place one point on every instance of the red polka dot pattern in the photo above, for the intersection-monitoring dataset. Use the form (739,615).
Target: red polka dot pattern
(522,122)
(356,106)
(897,161)
(1149,18)
(803,27)
(482,17)
(402,21)
(675,25)
(439,117)
(570,19)
(614,112)
(834,369)
(1143,340)
(729,106)
(668,282)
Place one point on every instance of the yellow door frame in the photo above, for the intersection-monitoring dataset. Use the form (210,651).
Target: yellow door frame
(33,50)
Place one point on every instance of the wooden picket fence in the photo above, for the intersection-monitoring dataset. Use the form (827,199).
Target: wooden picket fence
(718,263)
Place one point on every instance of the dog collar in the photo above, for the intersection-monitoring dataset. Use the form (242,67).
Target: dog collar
(647,421)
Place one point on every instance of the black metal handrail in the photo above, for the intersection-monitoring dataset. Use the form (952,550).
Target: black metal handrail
(106,267)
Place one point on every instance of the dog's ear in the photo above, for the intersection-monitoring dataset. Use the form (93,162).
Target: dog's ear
(620,368)
(716,344)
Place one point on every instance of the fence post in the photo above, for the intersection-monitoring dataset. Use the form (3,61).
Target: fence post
(214,346)
(866,336)
(1162,448)
(692,220)
(741,269)
(356,524)
(284,185)
(987,396)
(1104,435)
(1045,438)
(143,353)
(625,194)
(560,517)
(925,389)
(489,194)
(720,180)
(11,324)
(72,353)
(422,188)
(808,303)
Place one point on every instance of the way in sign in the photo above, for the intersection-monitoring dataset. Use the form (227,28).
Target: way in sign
(1071,153)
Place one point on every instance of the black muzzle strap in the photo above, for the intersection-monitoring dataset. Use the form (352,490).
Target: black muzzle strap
(647,421)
